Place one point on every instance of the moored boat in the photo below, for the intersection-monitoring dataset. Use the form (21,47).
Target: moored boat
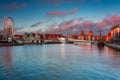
(62,40)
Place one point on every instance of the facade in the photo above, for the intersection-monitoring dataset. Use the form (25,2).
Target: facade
(53,37)
(19,37)
(75,36)
(108,37)
(83,36)
(89,36)
(32,37)
(115,34)
(101,38)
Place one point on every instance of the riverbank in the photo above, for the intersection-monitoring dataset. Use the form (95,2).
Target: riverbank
(114,46)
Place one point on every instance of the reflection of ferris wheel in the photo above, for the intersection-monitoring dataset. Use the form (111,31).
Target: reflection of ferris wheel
(8,26)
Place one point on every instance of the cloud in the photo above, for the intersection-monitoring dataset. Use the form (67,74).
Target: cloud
(36,24)
(109,21)
(61,13)
(13,6)
(64,26)
(88,23)
(75,25)
(70,25)
(36,27)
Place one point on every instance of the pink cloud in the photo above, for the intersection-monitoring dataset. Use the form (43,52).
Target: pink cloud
(64,26)
(13,6)
(111,20)
(62,13)
(104,22)
(79,24)
(88,23)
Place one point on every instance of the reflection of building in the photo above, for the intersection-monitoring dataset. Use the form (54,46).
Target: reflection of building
(7,57)
(115,34)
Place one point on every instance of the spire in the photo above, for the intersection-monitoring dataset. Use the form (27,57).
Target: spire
(90,33)
(81,33)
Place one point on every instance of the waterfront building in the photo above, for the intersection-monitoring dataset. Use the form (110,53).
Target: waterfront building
(32,37)
(101,38)
(19,37)
(53,37)
(82,35)
(108,37)
(73,36)
(89,36)
(115,34)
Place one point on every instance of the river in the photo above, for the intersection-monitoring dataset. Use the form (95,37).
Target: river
(59,62)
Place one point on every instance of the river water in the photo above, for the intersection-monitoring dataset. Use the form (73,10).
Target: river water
(59,62)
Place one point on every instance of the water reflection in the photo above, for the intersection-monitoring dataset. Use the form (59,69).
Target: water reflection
(60,62)
(7,57)
(113,54)
(100,49)
(63,51)
(90,48)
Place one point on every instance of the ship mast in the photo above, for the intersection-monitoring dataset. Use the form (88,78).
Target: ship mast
(100,34)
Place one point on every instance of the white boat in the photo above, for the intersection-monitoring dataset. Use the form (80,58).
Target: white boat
(76,40)
(62,40)
(86,43)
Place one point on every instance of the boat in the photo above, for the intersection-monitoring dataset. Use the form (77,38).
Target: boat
(100,43)
(78,43)
(62,40)
(76,40)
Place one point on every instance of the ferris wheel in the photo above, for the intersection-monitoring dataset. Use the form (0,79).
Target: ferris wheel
(8,26)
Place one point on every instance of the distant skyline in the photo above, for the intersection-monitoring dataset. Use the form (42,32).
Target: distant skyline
(61,16)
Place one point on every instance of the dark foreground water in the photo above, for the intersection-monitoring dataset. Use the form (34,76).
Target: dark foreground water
(59,62)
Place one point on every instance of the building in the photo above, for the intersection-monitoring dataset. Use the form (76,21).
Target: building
(32,37)
(53,37)
(115,34)
(73,36)
(108,37)
(19,37)
(82,36)
(89,36)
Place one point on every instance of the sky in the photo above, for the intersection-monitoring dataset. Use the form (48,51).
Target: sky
(61,16)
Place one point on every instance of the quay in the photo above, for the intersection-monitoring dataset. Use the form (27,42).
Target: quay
(114,46)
